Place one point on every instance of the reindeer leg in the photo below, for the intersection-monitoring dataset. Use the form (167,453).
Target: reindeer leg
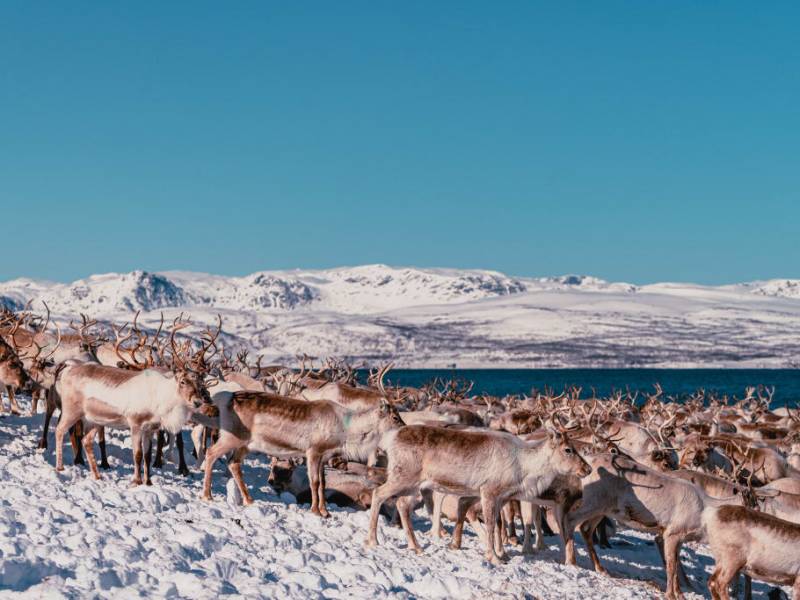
(436,516)
(182,468)
(313,461)
(537,523)
(50,407)
(721,578)
(529,514)
(35,400)
(682,578)
(587,530)
(508,514)
(461,516)
(160,441)
(322,502)
(103,454)
(64,423)
(13,401)
(147,442)
(88,446)
(491,511)
(136,441)
(672,547)
(235,467)
(381,494)
(198,438)
(404,505)
(223,445)
(75,434)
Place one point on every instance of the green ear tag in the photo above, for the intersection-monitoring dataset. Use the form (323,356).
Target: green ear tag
(347,418)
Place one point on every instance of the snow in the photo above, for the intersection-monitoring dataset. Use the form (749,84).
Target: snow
(69,536)
(434,317)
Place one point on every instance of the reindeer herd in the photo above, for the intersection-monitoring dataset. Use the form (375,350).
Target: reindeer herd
(706,468)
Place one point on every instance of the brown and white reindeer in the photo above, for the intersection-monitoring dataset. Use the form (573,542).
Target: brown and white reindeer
(288,427)
(644,499)
(41,369)
(142,401)
(494,466)
(13,376)
(760,545)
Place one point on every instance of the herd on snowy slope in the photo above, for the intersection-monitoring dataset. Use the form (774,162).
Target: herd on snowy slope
(701,469)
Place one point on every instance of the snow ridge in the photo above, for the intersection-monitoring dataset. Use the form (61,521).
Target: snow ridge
(437,317)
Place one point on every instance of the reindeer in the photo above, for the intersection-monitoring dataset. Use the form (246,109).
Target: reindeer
(41,369)
(355,398)
(288,427)
(12,376)
(495,466)
(643,499)
(762,546)
(140,400)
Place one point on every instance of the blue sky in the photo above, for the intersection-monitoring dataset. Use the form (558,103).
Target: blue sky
(636,141)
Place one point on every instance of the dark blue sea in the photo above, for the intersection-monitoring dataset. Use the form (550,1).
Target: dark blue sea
(673,381)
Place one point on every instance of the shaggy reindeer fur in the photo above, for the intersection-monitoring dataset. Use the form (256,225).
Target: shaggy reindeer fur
(763,546)
(142,401)
(494,466)
(287,427)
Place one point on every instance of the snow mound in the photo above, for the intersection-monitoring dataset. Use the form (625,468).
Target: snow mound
(783,288)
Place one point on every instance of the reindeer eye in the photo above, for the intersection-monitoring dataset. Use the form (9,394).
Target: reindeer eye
(568,450)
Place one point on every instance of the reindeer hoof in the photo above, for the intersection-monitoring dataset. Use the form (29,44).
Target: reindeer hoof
(136,481)
(105,466)
(149,482)
(206,497)
(370,544)
(59,469)
(417,551)
(184,471)
(42,446)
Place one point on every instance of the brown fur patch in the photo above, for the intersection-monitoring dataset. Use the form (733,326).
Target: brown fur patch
(732,514)
(110,376)
(424,435)
(290,409)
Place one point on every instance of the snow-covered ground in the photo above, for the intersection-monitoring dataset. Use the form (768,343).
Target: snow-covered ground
(68,536)
(437,317)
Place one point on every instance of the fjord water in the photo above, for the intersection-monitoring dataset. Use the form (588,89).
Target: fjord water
(673,381)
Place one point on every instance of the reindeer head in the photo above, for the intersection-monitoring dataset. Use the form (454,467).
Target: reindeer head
(12,373)
(388,417)
(696,453)
(564,458)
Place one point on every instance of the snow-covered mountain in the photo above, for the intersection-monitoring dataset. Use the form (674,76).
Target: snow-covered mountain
(437,317)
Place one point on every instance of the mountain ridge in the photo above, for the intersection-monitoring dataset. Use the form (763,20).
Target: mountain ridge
(436,317)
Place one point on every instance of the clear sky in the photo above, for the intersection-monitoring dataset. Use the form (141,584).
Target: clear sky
(637,141)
